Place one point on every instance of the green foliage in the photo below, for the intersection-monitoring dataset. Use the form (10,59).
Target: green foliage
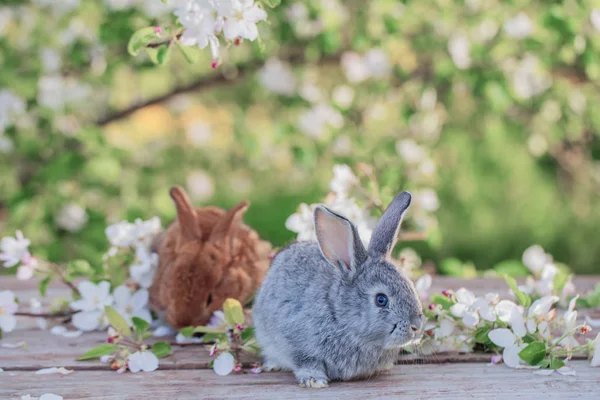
(512,268)
(140,39)
(117,321)
(444,301)
(534,353)
(161,349)
(97,352)
(522,298)
(234,312)
(509,170)
(140,325)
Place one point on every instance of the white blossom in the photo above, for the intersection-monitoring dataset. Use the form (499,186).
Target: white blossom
(423,284)
(72,217)
(241,18)
(315,121)
(132,304)
(529,78)
(519,27)
(343,96)
(596,354)
(142,272)
(535,258)
(595,18)
(142,361)
(8,307)
(91,305)
(14,250)
(343,180)
(200,185)
(224,363)
(463,307)
(459,48)
(11,107)
(410,151)
(58,92)
(512,345)
(277,76)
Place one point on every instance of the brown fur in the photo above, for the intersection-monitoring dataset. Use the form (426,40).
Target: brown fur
(205,256)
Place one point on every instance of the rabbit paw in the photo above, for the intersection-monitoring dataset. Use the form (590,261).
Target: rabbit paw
(310,382)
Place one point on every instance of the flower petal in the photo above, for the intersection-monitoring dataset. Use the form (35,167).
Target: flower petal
(459,309)
(465,296)
(87,290)
(254,14)
(504,309)
(223,365)
(510,355)
(7,323)
(566,371)
(122,296)
(87,320)
(139,299)
(471,318)
(502,337)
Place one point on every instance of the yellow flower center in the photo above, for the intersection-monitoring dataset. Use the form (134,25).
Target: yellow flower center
(3,311)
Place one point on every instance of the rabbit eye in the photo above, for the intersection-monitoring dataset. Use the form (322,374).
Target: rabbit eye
(209,300)
(381,300)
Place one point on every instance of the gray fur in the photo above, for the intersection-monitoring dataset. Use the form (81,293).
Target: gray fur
(321,321)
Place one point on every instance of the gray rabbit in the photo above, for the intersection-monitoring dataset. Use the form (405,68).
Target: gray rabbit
(334,311)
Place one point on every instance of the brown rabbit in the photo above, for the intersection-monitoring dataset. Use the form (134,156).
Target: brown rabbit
(205,256)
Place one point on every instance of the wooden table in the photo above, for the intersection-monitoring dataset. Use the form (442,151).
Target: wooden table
(185,373)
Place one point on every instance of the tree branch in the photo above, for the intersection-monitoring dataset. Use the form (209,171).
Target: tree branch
(213,80)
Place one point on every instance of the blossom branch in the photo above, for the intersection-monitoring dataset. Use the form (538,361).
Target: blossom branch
(61,314)
(213,80)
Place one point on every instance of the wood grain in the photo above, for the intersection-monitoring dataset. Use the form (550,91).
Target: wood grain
(438,381)
(186,375)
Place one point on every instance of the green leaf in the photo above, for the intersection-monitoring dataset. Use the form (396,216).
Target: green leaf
(163,54)
(102,350)
(272,3)
(522,298)
(528,338)
(444,301)
(43,286)
(481,335)
(191,54)
(556,363)
(161,349)
(80,268)
(514,268)
(117,321)
(140,325)
(187,331)
(140,39)
(560,280)
(152,54)
(247,334)
(533,353)
(205,329)
(146,335)
(234,313)
(212,337)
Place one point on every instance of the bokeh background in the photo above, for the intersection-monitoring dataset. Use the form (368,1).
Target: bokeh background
(486,110)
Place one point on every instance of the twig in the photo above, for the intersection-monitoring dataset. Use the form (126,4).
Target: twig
(62,314)
(63,277)
(211,81)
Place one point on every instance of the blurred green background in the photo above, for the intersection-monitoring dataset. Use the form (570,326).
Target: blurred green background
(486,109)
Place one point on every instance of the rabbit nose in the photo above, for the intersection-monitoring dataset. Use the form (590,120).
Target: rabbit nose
(417,322)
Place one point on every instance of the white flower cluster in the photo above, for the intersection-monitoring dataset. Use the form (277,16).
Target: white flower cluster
(15,251)
(137,235)
(339,201)
(123,235)
(374,64)
(544,273)
(8,307)
(94,298)
(11,108)
(203,20)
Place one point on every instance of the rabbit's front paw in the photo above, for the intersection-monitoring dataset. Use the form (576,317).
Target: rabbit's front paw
(310,382)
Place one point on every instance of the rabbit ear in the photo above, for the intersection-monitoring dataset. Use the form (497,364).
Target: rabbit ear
(186,214)
(385,234)
(338,239)
(228,220)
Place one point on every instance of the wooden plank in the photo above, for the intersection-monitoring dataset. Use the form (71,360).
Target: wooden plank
(445,382)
